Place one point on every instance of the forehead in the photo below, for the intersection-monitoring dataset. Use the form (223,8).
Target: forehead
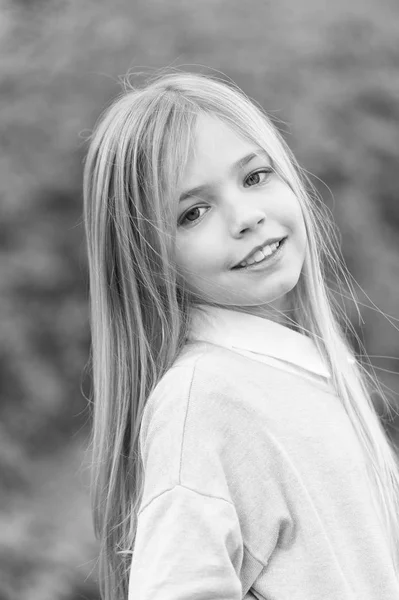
(216,145)
(211,133)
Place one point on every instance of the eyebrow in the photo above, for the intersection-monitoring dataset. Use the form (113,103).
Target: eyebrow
(239,164)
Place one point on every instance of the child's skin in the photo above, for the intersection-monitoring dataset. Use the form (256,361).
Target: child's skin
(226,221)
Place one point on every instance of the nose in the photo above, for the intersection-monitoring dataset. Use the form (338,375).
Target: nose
(244,217)
(250,223)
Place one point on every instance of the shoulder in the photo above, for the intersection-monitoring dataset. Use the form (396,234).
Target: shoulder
(201,359)
(206,367)
(187,422)
(202,370)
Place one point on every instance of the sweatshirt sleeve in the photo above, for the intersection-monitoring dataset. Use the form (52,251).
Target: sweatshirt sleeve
(188,546)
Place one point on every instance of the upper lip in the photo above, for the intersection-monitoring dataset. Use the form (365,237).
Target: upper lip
(266,243)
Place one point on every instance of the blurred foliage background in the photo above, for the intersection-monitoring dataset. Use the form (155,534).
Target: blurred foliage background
(329,75)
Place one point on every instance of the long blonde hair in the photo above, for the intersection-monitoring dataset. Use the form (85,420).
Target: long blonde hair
(139,310)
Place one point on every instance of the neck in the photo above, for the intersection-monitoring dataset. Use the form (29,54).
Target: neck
(280,311)
(266,311)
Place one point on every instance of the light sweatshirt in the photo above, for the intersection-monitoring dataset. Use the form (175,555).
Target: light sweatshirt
(255,481)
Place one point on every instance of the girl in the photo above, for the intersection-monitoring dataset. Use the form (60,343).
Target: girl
(237,451)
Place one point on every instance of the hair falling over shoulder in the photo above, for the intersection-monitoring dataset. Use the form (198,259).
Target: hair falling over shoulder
(139,309)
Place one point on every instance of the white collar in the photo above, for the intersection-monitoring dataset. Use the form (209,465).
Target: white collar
(242,331)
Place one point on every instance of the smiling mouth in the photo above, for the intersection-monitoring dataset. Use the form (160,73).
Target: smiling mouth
(282,241)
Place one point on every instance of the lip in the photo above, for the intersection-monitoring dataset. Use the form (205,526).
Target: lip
(269,260)
(266,243)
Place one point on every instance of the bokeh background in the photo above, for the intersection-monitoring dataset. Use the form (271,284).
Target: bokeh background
(328,73)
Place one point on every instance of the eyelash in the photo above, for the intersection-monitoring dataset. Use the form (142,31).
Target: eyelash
(267,170)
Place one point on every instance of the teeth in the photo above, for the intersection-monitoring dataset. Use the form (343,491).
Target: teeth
(260,254)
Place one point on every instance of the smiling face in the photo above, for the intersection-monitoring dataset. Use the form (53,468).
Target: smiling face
(239,203)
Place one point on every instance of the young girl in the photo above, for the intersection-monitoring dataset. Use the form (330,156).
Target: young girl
(236,450)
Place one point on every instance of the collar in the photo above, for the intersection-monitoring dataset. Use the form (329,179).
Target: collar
(241,331)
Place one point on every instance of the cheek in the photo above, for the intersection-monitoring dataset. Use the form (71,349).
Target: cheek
(291,215)
(198,256)
(290,205)
(300,223)
(187,263)
(195,267)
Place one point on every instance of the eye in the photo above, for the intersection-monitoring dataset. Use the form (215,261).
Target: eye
(255,178)
(190,213)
